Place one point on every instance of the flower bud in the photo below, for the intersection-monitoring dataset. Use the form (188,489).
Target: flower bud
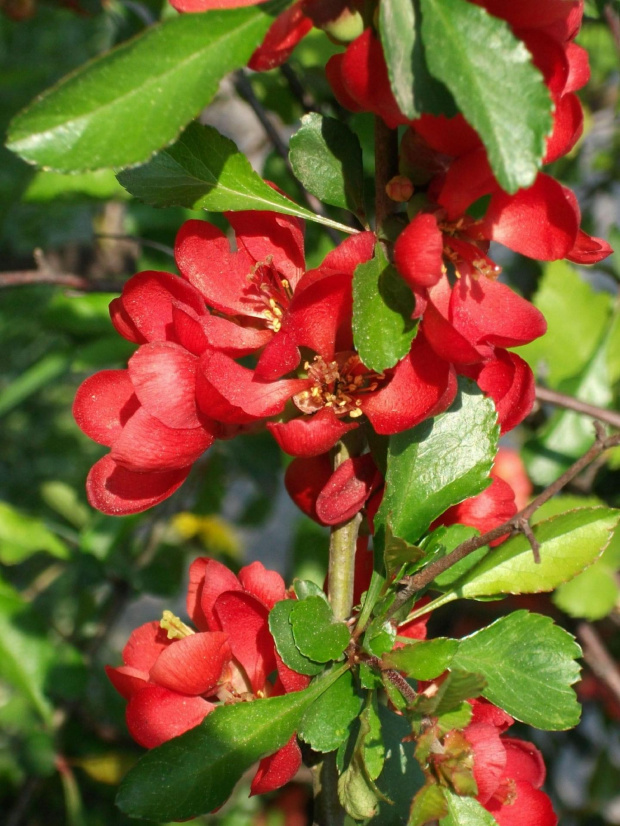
(399,188)
(346,27)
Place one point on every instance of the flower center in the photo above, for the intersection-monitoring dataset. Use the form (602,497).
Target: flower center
(175,628)
(270,292)
(461,249)
(337,384)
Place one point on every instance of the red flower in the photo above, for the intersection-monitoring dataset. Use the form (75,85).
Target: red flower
(509,773)
(173,677)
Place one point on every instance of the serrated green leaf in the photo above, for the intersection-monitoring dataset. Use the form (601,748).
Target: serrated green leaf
(317,634)
(22,535)
(282,633)
(529,665)
(423,659)
(466,811)
(327,158)
(326,723)
(459,685)
(160,79)
(568,544)
(439,463)
(382,305)
(379,637)
(205,170)
(196,772)
(496,86)
(415,89)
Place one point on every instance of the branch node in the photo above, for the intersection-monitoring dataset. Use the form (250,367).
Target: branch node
(524,526)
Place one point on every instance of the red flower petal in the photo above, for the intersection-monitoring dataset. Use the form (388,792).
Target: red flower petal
(123,323)
(145,645)
(194,664)
(347,490)
(485,511)
(530,806)
(524,762)
(208,578)
(156,714)
(310,435)
(588,249)
(267,586)
(418,252)
(304,479)
(114,490)
(238,389)
(103,405)
(244,619)
(486,311)
(550,57)
(567,127)
(419,383)
(489,758)
(148,445)
(291,680)
(164,377)
(579,67)
(271,236)
(530,13)
(126,680)
(285,32)
(509,381)
(277,769)
(207,5)
(203,256)
(333,73)
(468,178)
(485,712)
(450,136)
(148,299)
(537,222)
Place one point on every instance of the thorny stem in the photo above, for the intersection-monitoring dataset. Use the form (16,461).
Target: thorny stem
(544,394)
(424,577)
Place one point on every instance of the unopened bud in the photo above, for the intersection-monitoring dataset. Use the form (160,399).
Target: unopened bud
(346,27)
(399,188)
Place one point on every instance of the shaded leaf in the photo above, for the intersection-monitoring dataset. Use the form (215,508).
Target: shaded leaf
(423,659)
(22,535)
(282,633)
(317,634)
(325,724)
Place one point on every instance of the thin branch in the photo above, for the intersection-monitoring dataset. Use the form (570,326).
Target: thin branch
(22,278)
(244,89)
(598,658)
(613,21)
(302,95)
(401,684)
(142,242)
(424,577)
(544,394)
(386,166)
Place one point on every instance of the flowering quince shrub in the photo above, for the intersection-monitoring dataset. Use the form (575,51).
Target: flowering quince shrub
(386,371)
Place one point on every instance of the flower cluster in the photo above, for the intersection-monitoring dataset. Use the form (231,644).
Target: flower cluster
(173,675)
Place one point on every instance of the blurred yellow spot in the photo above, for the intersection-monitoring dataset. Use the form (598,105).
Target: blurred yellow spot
(216,534)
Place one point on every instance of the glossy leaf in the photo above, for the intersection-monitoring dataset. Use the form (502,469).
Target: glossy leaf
(325,724)
(205,170)
(529,665)
(196,772)
(326,156)
(428,805)
(465,811)
(423,659)
(356,791)
(282,633)
(415,89)
(439,463)
(372,740)
(498,90)
(382,305)
(160,79)
(459,685)
(568,544)
(317,634)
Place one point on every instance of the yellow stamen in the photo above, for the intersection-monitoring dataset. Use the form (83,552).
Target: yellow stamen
(175,627)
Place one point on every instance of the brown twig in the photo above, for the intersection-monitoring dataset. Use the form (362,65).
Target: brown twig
(22,278)
(386,166)
(544,394)
(598,658)
(613,21)
(401,684)
(418,581)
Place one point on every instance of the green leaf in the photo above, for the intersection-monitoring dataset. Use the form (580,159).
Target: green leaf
(423,660)
(379,637)
(282,632)
(205,170)
(439,463)
(458,686)
(592,594)
(568,544)
(397,552)
(50,186)
(529,665)
(196,772)
(40,374)
(327,158)
(372,740)
(26,653)
(415,89)
(565,349)
(382,305)
(305,588)
(429,804)
(495,84)
(22,535)
(326,723)
(466,811)
(160,79)
(356,791)
(317,634)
